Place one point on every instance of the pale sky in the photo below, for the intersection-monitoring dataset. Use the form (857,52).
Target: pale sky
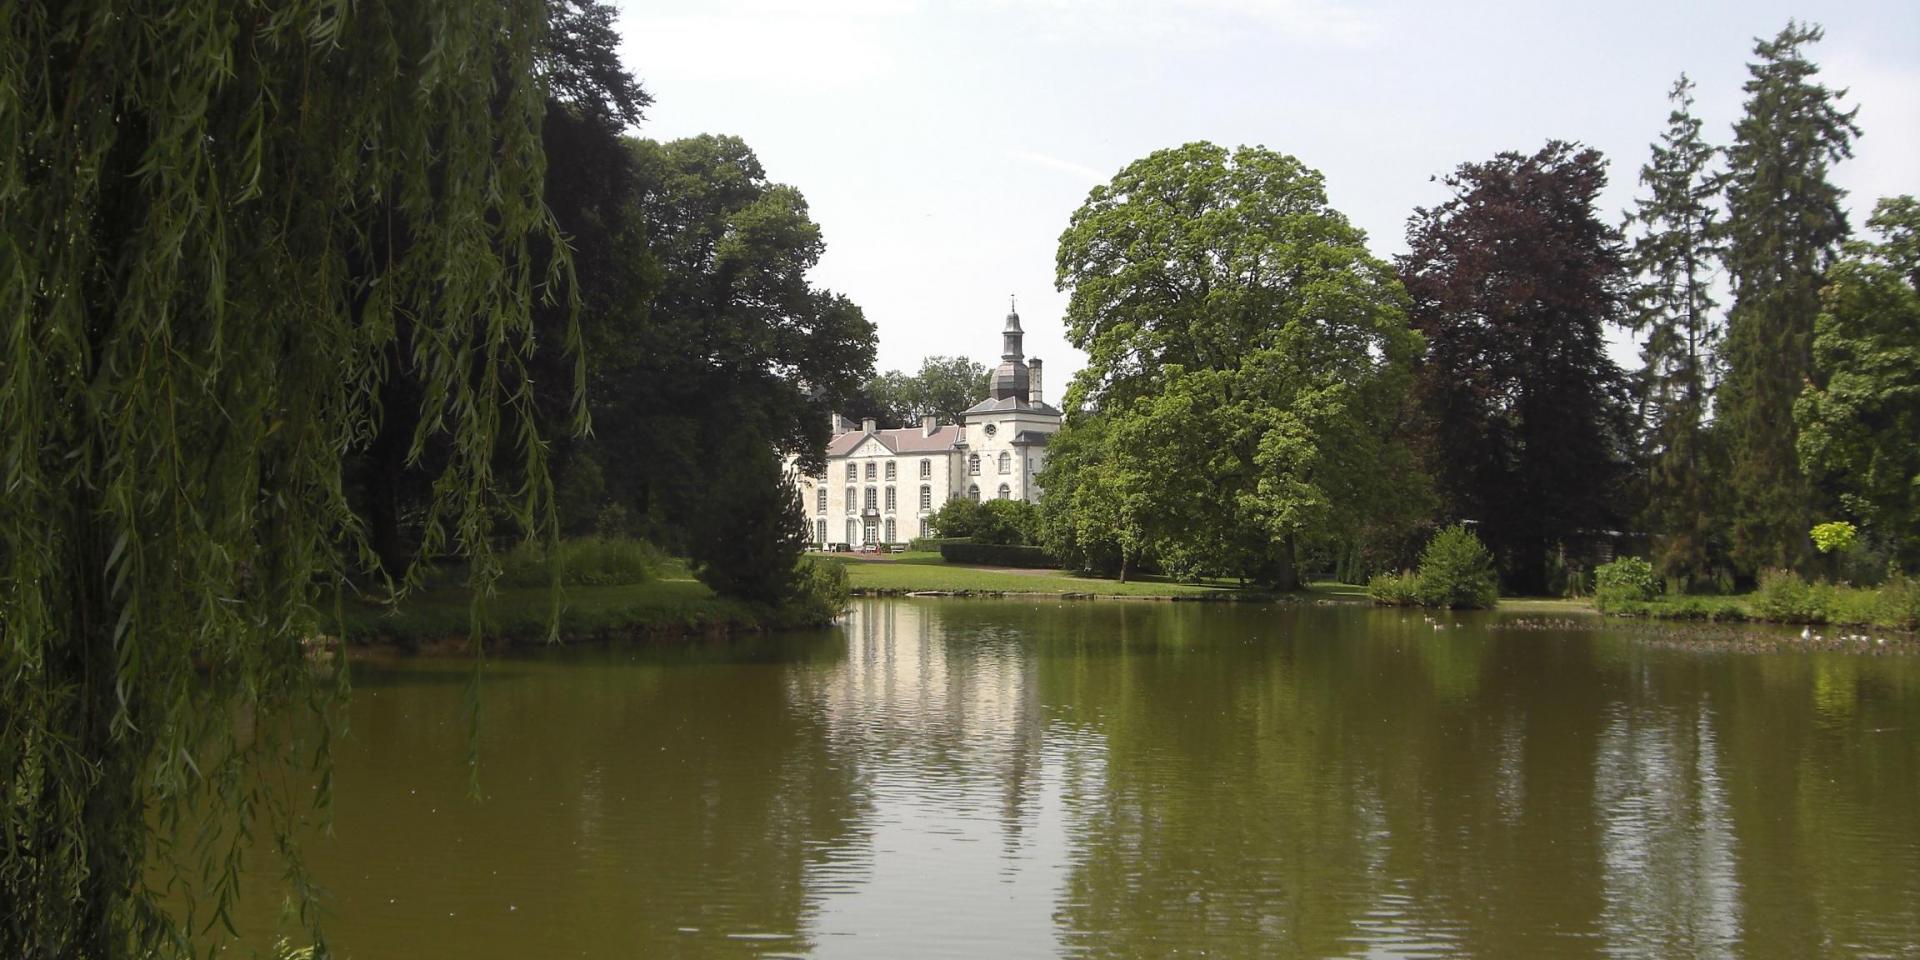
(943,144)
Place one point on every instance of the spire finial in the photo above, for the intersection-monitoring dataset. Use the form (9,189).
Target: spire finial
(1011,306)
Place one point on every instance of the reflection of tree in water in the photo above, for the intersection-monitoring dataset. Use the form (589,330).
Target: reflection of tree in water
(635,805)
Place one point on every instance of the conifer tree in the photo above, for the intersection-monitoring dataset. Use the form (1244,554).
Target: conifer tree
(1784,226)
(1672,307)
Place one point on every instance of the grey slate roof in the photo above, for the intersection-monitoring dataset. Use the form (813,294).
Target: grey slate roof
(991,405)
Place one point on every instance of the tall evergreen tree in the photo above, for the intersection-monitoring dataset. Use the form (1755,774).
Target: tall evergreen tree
(1672,305)
(1513,282)
(1784,227)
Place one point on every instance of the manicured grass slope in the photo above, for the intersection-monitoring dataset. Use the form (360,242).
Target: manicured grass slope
(916,572)
(676,603)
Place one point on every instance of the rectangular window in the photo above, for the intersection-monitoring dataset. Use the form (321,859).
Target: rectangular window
(890,473)
(852,503)
(873,498)
(872,469)
(853,473)
(890,504)
(926,497)
(926,469)
(820,505)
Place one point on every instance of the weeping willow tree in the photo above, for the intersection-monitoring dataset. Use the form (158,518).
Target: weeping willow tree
(224,225)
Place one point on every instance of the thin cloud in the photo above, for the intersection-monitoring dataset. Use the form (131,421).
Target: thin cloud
(1079,170)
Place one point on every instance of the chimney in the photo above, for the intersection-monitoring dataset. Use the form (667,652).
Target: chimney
(839,424)
(1033,381)
(867,426)
(928,426)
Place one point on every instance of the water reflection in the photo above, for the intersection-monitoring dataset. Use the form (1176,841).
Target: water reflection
(969,778)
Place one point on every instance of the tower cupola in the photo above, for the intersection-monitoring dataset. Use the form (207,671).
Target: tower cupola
(1010,378)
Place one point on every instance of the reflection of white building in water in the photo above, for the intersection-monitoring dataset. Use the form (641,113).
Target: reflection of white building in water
(880,486)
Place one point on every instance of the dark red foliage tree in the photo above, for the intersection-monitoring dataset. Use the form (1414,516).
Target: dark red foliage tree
(1525,418)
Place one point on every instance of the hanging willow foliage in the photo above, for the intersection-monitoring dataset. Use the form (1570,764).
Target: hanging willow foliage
(223,225)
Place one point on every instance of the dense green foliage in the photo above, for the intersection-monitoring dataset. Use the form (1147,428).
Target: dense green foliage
(1395,589)
(1673,254)
(581,561)
(1514,281)
(995,554)
(1246,358)
(1457,571)
(1625,578)
(226,229)
(943,389)
(816,595)
(1859,415)
(1784,225)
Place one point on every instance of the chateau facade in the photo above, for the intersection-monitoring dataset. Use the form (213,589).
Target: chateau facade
(882,486)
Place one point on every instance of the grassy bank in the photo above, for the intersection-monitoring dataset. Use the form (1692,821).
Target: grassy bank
(927,573)
(675,604)
(1891,608)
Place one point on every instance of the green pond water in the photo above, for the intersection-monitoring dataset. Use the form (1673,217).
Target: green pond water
(971,778)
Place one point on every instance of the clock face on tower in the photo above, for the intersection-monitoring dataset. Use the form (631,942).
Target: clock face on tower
(989,431)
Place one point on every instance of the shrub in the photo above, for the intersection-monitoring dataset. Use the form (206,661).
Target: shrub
(957,518)
(1785,597)
(1457,571)
(1626,578)
(582,561)
(1006,522)
(932,544)
(817,595)
(1395,589)
(995,554)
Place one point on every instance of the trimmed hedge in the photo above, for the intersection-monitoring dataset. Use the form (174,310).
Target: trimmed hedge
(995,555)
(933,544)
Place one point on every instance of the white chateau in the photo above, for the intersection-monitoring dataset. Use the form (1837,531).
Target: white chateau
(881,486)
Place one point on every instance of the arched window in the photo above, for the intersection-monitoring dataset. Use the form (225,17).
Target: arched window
(872,470)
(926,497)
(1006,462)
(1006,492)
(820,504)
(890,474)
(973,492)
(973,464)
(926,469)
(889,529)
(853,473)
(853,502)
(890,504)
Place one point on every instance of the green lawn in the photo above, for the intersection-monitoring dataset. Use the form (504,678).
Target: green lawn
(917,572)
(676,603)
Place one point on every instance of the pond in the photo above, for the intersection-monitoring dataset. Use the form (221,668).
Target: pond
(969,778)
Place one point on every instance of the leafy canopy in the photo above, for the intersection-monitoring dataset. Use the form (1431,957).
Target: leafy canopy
(1246,353)
(225,228)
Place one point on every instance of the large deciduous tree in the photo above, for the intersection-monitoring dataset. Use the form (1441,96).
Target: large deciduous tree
(733,338)
(1859,416)
(224,228)
(1784,226)
(1513,282)
(1673,255)
(943,389)
(1246,357)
